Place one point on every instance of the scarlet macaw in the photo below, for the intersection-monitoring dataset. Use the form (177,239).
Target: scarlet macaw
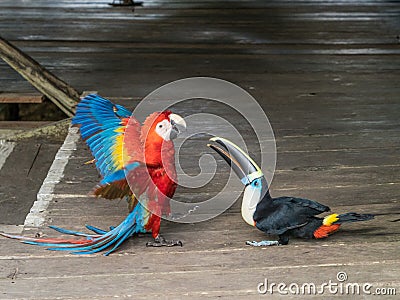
(283,216)
(125,152)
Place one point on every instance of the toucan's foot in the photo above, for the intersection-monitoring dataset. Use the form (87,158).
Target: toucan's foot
(263,243)
(160,241)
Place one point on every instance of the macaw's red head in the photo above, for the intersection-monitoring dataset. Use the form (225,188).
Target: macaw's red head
(158,131)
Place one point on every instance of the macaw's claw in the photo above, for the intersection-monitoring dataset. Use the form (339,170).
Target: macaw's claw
(160,241)
(262,243)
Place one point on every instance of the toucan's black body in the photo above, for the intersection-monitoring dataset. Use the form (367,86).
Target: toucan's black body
(288,216)
(283,216)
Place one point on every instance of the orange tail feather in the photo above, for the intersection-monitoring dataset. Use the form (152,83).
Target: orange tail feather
(325,230)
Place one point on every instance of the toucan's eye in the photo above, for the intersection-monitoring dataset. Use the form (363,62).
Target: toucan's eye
(255,183)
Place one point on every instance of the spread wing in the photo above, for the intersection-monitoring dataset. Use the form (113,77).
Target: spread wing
(113,137)
(289,213)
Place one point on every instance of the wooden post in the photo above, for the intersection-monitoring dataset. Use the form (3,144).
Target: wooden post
(59,92)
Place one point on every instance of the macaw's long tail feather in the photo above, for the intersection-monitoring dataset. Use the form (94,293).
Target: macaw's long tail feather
(77,233)
(112,239)
(353,217)
(28,240)
(98,230)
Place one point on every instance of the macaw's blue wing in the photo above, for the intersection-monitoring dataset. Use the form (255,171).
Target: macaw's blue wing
(102,125)
(134,223)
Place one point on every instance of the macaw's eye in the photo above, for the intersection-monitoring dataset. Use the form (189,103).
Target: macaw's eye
(160,126)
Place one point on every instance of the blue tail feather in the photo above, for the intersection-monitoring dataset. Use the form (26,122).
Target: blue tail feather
(132,224)
(71,232)
(97,230)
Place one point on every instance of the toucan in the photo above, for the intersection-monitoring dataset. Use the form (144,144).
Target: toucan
(284,217)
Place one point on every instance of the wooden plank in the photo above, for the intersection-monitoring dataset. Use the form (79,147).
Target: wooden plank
(63,95)
(20,98)
(182,273)
(325,72)
(22,174)
(22,124)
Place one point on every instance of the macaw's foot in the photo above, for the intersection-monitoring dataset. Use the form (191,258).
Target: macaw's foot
(159,241)
(263,243)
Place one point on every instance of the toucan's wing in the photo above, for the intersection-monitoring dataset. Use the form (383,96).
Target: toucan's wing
(288,213)
(305,206)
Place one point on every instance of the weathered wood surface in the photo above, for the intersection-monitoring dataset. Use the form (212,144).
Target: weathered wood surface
(62,95)
(326,74)
(21,177)
(20,98)
(22,124)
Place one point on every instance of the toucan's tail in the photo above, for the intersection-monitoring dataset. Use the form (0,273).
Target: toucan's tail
(353,217)
(331,223)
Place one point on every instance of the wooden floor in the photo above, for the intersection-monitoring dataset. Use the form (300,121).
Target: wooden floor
(327,75)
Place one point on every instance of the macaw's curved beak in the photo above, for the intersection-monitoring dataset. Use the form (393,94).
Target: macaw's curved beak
(178,125)
(242,164)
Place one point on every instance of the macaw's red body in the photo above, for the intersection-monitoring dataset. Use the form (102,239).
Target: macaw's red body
(137,163)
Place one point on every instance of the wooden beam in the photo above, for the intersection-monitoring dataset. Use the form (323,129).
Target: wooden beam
(23,124)
(20,98)
(59,92)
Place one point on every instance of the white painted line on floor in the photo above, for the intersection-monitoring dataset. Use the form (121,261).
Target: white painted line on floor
(37,214)
(63,196)
(11,229)
(5,150)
